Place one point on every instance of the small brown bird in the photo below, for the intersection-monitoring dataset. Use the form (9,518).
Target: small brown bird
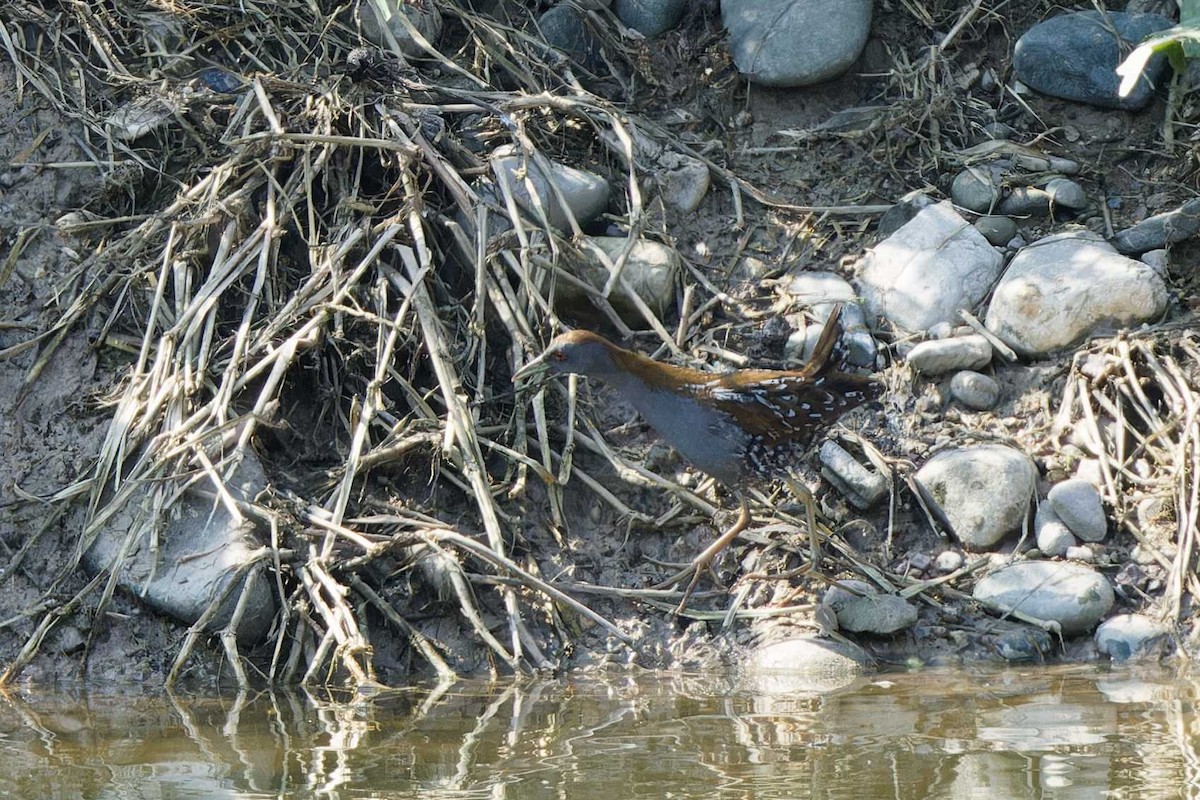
(739,427)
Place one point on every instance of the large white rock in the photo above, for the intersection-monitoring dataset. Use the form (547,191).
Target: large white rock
(934,266)
(1073,595)
(1063,288)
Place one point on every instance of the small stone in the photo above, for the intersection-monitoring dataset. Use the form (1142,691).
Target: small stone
(1128,637)
(982,493)
(997,229)
(861,486)
(904,210)
(942,330)
(837,595)
(880,614)
(949,561)
(1075,57)
(975,189)
(919,562)
(998,131)
(1053,537)
(1067,286)
(1081,554)
(1157,260)
(1160,230)
(651,272)
(650,17)
(1078,505)
(381,23)
(586,193)
(1022,643)
(1025,201)
(929,270)
(802,663)
(685,185)
(566,28)
(947,355)
(1066,193)
(975,390)
(784,43)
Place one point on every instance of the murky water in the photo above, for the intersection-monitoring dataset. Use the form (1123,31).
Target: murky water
(1050,733)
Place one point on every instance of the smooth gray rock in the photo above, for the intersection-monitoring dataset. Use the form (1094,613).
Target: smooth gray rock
(879,614)
(684,181)
(948,561)
(1022,643)
(794,42)
(201,554)
(904,210)
(1053,537)
(842,592)
(1160,230)
(1025,201)
(861,486)
(1128,637)
(802,663)
(1075,57)
(1073,595)
(1068,286)
(929,270)
(1077,503)
(586,193)
(650,17)
(651,272)
(1066,193)
(1157,260)
(939,356)
(383,22)
(1081,554)
(976,189)
(566,28)
(981,493)
(819,291)
(998,230)
(975,390)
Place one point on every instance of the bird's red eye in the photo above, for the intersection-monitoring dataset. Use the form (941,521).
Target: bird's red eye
(558,355)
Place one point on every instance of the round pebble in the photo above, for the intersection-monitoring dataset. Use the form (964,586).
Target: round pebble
(1053,537)
(997,229)
(1084,555)
(948,561)
(1066,193)
(975,390)
(1077,504)
(1025,201)
(939,356)
(975,189)
(1131,636)
(982,492)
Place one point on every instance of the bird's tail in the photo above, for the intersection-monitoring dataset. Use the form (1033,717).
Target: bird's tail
(822,355)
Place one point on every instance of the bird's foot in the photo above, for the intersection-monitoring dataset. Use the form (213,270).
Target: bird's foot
(691,573)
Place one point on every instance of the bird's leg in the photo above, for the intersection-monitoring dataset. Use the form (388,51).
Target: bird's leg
(810,504)
(704,561)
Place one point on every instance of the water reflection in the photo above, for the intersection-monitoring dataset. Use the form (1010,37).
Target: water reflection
(1077,733)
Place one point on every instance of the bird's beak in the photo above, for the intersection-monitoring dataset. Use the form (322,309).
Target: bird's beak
(534,369)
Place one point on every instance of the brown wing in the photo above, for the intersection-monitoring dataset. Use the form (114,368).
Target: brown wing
(789,404)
